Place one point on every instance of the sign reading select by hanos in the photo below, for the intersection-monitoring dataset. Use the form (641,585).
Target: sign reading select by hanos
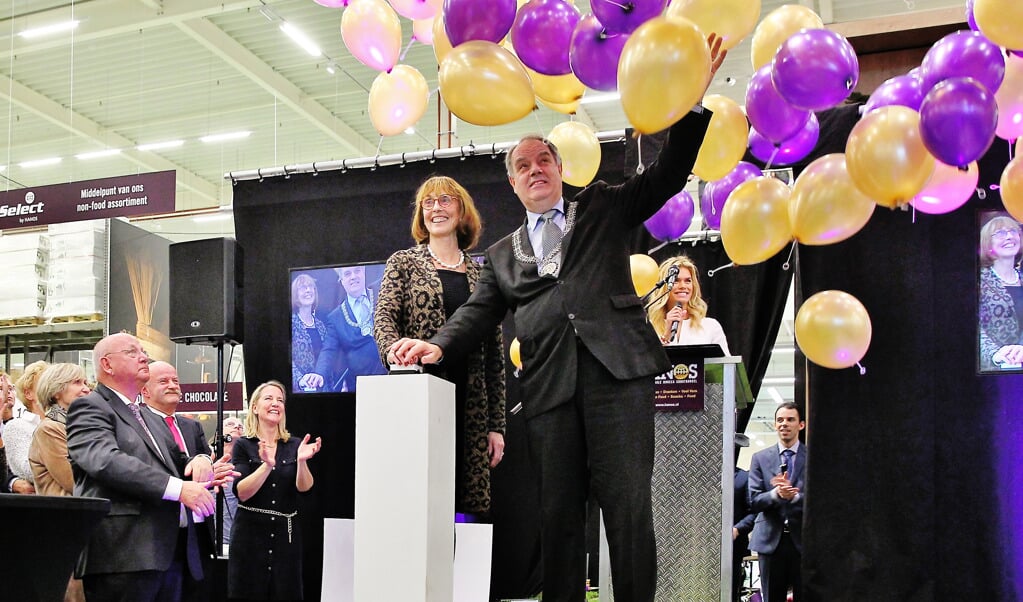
(122,196)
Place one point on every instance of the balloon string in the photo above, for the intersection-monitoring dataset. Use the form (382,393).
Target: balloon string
(788,260)
(1012,148)
(913,218)
(863,369)
(730,264)
(659,247)
(411,41)
(774,153)
(621,6)
(639,154)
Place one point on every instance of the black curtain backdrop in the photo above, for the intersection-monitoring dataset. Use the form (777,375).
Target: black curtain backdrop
(912,463)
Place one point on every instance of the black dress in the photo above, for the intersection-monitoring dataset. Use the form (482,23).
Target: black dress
(265,561)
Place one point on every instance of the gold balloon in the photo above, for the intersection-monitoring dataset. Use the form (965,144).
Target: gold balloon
(515,353)
(371,31)
(485,84)
(886,157)
(1000,21)
(1010,100)
(441,43)
(568,108)
(644,273)
(778,26)
(731,20)
(755,220)
(826,207)
(558,89)
(397,100)
(1012,188)
(833,329)
(662,73)
(725,142)
(580,152)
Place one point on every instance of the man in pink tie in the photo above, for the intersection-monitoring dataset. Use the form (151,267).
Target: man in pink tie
(161,395)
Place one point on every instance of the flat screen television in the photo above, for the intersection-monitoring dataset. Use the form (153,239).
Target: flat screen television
(1000,294)
(332,326)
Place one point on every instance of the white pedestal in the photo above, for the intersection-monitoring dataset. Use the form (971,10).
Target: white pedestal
(404,488)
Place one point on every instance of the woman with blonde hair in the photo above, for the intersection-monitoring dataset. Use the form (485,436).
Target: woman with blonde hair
(421,288)
(684,308)
(57,386)
(266,544)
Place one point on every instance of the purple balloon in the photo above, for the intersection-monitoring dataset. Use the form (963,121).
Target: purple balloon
(964,54)
(488,20)
(712,201)
(815,69)
(958,119)
(970,19)
(789,151)
(542,34)
(594,54)
(625,17)
(768,112)
(673,219)
(902,90)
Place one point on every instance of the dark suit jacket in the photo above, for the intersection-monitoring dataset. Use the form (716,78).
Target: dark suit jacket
(744,517)
(770,522)
(112,457)
(346,348)
(593,298)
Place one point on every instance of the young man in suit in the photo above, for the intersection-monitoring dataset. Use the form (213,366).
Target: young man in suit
(776,485)
(588,354)
(141,549)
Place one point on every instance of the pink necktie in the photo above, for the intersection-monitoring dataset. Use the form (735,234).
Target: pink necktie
(174,431)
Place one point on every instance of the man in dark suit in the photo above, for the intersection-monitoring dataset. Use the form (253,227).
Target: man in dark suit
(588,354)
(743,518)
(140,550)
(161,395)
(776,485)
(349,350)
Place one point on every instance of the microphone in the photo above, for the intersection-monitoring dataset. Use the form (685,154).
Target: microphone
(674,323)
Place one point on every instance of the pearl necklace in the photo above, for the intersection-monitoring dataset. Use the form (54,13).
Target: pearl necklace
(310,323)
(450,266)
(1007,282)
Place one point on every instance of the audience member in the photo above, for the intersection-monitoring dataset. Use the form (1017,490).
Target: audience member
(421,288)
(18,431)
(742,517)
(6,414)
(232,431)
(587,354)
(776,484)
(140,551)
(266,552)
(680,317)
(56,387)
(28,405)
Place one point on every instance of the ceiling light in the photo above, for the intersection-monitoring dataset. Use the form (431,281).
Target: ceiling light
(212,138)
(779,380)
(99,154)
(160,145)
(40,162)
(775,395)
(301,39)
(212,217)
(331,67)
(595,98)
(411,131)
(45,30)
(3,168)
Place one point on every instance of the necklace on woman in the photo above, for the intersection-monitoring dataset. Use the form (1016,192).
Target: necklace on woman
(1004,280)
(310,323)
(450,266)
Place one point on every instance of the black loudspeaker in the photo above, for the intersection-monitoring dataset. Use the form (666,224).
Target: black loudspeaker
(205,291)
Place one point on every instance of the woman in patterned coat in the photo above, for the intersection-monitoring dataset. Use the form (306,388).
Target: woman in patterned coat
(421,287)
(1001,294)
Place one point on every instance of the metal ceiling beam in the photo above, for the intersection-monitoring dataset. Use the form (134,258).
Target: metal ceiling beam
(85,128)
(105,18)
(238,57)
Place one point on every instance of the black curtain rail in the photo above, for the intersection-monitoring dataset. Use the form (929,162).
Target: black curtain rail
(469,150)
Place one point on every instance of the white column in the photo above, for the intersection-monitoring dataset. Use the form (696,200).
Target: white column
(404,488)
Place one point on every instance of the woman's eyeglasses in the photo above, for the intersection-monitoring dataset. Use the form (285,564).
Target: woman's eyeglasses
(443,200)
(1004,233)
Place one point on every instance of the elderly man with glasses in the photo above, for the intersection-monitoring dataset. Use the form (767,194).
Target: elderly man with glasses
(142,548)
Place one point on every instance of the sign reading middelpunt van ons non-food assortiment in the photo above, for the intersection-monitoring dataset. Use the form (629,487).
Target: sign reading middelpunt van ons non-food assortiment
(140,194)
